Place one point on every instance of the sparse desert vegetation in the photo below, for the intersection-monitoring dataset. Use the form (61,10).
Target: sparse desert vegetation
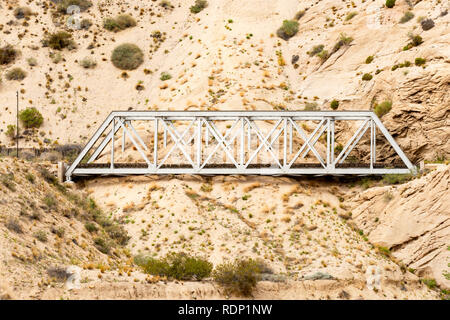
(31,118)
(382,108)
(82,4)
(59,40)
(121,22)
(198,6)
(8,54)
(197,237)
(16,74)
(288,29)
(127,56)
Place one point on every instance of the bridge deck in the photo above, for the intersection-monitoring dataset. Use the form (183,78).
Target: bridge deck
(230,165)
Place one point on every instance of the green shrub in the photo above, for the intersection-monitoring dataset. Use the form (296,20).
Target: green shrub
(48,176)
(405,64)
(323,55)
(22,12)
(30,177)
(288,29)
(8,181)
(240,277)
(16,74)
(351,15)
(59,231)
(311,106)
(14,225)
(64,4)
(179,266)
(430,283)
(299,14)
(31,118)
(338,148)
(56,57)
(416,40)
(41,235)
(85,24)
(367,77)
(88,63)
(344,40)
(407,16)
(49,201)
(382,108)
(316,50)
(32,62)
(59,40)
(90,226)
(166,4)
(369,59)
(11,131)
(334,104)
(199,6)
(427,24)
(118,234)
(396,178)
(103,245)
(390,3)
(420,61)
(111,24)
(8,54)
(384,250)
(127,56)
(119,23)
(165,76)
(125,21)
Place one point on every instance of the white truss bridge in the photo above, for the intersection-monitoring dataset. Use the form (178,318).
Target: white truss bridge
(238,142)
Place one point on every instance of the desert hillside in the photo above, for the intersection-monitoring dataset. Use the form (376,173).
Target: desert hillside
(228,57)
(302,230)
(317,238)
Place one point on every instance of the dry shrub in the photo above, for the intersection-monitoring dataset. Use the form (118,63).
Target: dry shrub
(240,277)
(8,54)
(127,56)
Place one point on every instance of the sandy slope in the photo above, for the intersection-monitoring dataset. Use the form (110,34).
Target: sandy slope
(226,58)
(412,220)
(287,223)
(297,226)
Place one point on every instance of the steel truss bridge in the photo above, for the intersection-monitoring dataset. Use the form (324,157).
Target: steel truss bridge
(236,142)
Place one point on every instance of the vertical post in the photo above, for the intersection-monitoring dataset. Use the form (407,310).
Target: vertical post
(61,171)
(206,135)
(290,137)
(242,140)
(17,123)
(374,142)
(165,136)
(199,142)
(328,143)
(371,143)
(155,146)
(284,142)
(249,138)
(332,143)
(123,137)
(112,142)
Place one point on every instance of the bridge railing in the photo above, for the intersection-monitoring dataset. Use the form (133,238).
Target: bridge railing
(235,142)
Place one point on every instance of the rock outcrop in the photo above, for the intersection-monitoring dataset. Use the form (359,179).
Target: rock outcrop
(413,221)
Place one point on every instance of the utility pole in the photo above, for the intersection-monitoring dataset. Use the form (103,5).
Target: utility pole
(17,124)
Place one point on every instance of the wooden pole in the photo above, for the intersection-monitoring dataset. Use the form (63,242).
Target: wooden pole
(17,124)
